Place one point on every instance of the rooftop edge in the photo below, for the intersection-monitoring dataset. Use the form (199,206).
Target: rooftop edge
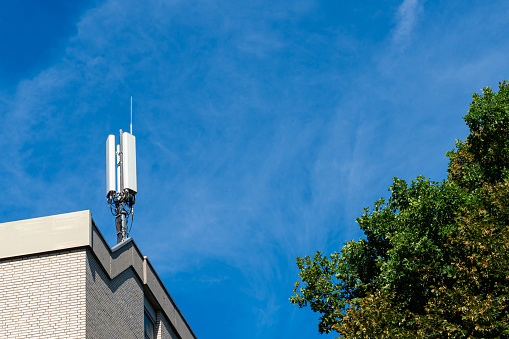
(77,229)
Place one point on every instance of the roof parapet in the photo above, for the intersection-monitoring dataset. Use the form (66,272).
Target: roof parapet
(78,230)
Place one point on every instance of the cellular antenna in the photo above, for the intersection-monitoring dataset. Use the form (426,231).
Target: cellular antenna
(121,182)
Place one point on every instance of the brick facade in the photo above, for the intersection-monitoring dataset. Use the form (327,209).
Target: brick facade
(163,329)
(114,307)
(60,279)
(68,295)
(43,296)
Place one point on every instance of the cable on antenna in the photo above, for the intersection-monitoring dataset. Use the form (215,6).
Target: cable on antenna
(121,206)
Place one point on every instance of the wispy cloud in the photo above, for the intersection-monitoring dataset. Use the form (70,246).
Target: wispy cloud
(259,138)
(406,19)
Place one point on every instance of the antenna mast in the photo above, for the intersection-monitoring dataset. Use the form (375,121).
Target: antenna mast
(121,182)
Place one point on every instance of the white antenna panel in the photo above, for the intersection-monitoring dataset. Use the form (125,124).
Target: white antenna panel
(129,161)
(119,184)
(111,165)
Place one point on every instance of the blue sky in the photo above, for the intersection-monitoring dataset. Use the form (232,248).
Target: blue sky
(263,128)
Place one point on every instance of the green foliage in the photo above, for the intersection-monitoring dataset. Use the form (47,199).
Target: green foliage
(402,235)
(323,293)
(484,156)
(433,259)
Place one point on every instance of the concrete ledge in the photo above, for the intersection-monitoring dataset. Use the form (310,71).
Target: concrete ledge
(166,302)
(77,229)
(46,234)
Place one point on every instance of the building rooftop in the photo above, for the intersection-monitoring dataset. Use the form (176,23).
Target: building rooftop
(78,230)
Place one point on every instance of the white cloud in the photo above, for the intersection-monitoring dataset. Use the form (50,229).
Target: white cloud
(407,17)
(219,189)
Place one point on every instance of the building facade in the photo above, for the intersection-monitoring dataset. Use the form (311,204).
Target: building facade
(60,279)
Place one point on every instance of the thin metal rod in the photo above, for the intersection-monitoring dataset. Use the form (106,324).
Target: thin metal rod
(121,164)
(122,234)
(131,114)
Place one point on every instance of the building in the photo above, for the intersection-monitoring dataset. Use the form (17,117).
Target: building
(60,279)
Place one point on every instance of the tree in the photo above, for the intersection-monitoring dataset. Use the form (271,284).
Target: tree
(433,259)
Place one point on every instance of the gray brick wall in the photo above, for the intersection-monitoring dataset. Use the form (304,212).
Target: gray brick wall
(114,307)
(43,296)
(67,294)
(163,329)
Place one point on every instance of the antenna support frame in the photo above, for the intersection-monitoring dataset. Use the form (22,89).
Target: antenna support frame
(122,200)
